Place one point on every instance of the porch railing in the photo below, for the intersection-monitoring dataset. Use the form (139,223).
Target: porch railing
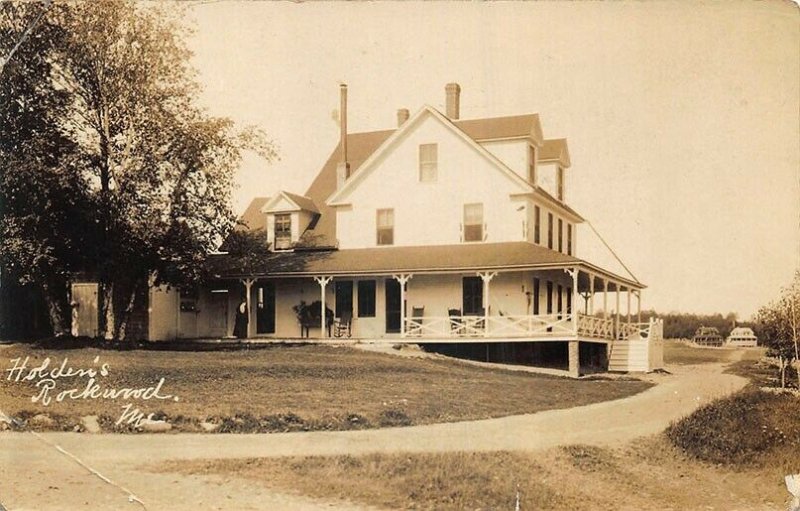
(546,325)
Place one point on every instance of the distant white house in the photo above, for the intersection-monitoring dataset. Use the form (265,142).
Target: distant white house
(437,231)
(743,337)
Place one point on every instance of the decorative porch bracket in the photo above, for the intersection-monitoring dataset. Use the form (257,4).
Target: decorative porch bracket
(248,284)
(486,277)
(323,282)
(573,315)
(402,279)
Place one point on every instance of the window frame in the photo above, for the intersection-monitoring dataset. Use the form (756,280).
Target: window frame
(480,224)
(284,233)
(428,168)
(560,235)
(367,299)
(532,164)
(381,240)
(550,231)
(569,238)
(537,224)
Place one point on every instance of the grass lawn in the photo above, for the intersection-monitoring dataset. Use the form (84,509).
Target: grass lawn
(681,353)
(286,388)
(647,474)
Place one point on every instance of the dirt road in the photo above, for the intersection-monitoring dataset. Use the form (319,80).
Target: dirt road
(31,468)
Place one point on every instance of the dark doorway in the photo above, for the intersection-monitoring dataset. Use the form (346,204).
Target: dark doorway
(472,293)
(392,306)
(265,308)
(344,297)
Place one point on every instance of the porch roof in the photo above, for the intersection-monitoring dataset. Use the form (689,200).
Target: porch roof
(459,258)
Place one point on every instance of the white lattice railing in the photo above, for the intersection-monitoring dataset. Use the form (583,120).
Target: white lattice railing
(491,326)
(596,328)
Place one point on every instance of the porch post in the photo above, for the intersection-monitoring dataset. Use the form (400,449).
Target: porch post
(629,305)
(402,279)
(248,284)
(638,305)
(616,313)
(605,298)
(323,282)
(591,294)
(486,277)
(573,272)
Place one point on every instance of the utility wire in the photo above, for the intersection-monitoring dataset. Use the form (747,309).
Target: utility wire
(613,253)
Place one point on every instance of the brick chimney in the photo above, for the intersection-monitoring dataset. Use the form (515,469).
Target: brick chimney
(453,93)
(343,167)
(402,116)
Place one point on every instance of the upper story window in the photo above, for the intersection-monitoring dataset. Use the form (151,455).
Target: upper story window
(569,239)
(532,164)
(560,235)
(283,231)
(560,183)
(473,222)
(537,224)
(428,162)
(549,230)
(385,227)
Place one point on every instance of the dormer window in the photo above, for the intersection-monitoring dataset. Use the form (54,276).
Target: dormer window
(428,162)
(560,183)
(473,222)
(283,231)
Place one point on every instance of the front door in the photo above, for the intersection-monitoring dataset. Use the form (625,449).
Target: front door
(265,308)
(218,320)
(392,306)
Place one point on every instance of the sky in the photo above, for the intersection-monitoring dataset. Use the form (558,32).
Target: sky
(682,119)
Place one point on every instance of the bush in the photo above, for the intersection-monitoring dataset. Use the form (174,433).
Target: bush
(743,429)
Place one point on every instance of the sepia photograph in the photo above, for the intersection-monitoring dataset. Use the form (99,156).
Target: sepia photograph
(381,255)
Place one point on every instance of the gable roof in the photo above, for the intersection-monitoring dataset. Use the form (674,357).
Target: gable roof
(408,126)
(360,146)
(252,219)
(498,128)
(299,202)
(555,150)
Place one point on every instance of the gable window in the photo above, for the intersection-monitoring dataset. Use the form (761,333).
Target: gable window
(532,164)
(473,222)
(549,230)
(428,162)
(537,224)
(472,293)
(560,235)
(560,183)
(385,227)
(283,231)
(366,298)
(569,239)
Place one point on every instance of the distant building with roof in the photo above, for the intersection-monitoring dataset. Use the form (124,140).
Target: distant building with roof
(742,337)
(707,336)
(440,231)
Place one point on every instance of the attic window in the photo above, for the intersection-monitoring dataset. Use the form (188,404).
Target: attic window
(428,162)
(473,222)
(385,227)
(532,164)
(283,231)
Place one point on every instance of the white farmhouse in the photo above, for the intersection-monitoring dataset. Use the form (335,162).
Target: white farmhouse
(446,232)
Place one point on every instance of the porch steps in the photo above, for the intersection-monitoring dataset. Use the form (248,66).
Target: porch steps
(630,355)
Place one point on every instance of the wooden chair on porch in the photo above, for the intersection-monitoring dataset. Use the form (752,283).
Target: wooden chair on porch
(342,326)
(415,324)
(456,321)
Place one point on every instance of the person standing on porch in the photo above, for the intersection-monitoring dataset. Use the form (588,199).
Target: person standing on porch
(240,325)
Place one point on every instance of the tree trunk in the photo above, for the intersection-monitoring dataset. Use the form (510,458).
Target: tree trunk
(783,372)
(55,296)
(125,315)
(108,317)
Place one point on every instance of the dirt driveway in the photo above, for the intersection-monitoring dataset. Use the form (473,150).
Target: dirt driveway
(34,475)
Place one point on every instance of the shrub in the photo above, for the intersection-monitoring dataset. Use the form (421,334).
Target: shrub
(742,429)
